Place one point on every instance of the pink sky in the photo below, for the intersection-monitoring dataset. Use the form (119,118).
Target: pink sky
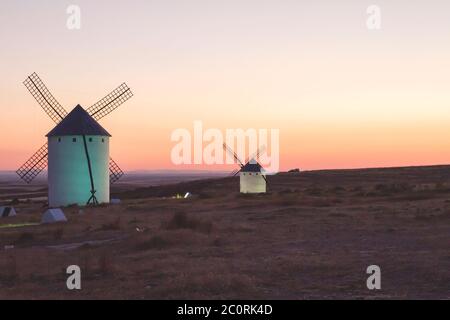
(342,96)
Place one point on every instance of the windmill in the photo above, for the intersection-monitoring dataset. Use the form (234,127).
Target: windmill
(252,178)
(77,152)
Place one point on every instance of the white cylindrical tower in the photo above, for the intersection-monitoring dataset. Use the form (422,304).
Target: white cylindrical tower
(78,161)
(252,182)
(252,178)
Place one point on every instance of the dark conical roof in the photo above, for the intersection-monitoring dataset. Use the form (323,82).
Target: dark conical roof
(78,122)
(251,167)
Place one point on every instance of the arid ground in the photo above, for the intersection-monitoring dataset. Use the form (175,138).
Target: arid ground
(312,236)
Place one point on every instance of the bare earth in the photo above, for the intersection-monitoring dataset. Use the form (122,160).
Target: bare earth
(312,236)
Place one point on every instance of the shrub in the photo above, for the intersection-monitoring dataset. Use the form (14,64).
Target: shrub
(114,225)
(25,237)
(106,265)
(155,242)
(58,234)
(181,220)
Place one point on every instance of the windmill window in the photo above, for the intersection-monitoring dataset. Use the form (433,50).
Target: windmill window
(90,139)
(103,139)
(59,139)
(74,139)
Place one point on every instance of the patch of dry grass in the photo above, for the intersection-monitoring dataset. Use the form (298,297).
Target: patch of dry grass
(295,242)
(181,220)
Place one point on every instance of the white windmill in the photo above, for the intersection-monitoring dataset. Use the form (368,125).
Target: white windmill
(77,153)
(252,177)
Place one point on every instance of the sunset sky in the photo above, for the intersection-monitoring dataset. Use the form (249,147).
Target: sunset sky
(342,96)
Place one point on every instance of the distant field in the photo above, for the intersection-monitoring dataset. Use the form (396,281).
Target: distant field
(11,186)
(312,236)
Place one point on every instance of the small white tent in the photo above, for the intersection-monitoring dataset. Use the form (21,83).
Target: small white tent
(7,212)
(53,215)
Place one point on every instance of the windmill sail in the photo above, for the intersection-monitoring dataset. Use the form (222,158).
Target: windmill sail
(45,99)
(33,166)
(234,173)
(115,173)
(256,154)
(110,102)
(102,108)
(38,161)
(233,154)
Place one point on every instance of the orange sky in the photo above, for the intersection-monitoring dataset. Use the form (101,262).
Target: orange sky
(341,96)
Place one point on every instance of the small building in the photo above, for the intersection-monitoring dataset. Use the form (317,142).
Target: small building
(252,178)
(53,216)
(7,212)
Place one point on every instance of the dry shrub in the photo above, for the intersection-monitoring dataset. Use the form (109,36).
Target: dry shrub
(113,225)
(86,262)
(25,238)
(218,242)
(441,187)
(386,189)
(199,285)
(203,195)
(133,221)
(337,189)
(85,246)
(10,273)
(415,196)
(181,220)
(106,264)
(321,203)
(339,215)
(133,207)
(313,191)
(247,196)
(285,201)
(58,234)
(154,243)
(285,191)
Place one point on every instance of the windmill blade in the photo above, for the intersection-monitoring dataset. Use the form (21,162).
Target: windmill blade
(257,153)
(234,173)
(33,166)
(231,152)
(45,99)
(115,173)
(110,102)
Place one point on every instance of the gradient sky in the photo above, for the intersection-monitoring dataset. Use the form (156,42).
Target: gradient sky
(341,95)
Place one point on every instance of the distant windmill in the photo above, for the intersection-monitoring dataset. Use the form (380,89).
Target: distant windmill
(252,178)
(77,153)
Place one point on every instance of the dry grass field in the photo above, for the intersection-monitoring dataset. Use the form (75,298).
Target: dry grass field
(311,237)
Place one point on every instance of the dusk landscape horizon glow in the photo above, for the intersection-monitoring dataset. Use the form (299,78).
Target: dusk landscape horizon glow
(341,95)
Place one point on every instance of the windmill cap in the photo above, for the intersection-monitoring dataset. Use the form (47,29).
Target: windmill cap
(251,167)
(78,122)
